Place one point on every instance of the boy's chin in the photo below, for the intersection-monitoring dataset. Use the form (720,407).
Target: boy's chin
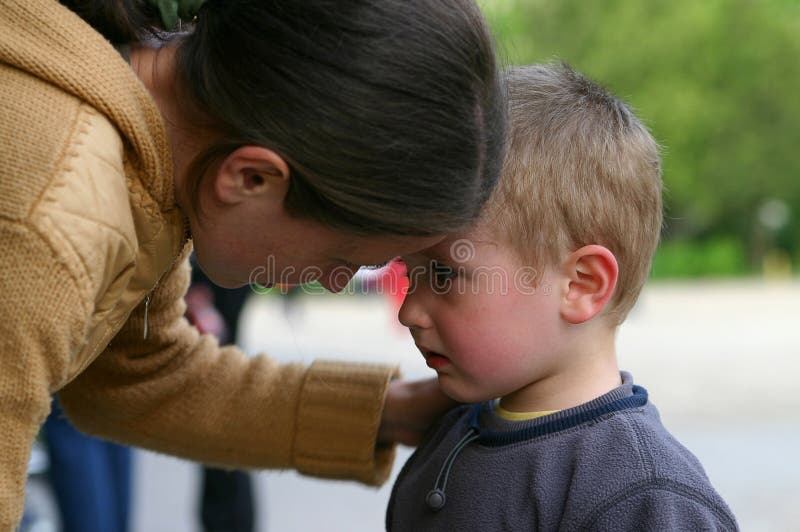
(459,394)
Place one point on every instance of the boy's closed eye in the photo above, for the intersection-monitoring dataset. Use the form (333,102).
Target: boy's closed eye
(442,272)
(431,267)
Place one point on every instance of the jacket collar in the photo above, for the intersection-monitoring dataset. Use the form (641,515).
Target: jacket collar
(49,41)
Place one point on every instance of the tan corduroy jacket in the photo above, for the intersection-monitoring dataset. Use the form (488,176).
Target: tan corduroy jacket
(88,232)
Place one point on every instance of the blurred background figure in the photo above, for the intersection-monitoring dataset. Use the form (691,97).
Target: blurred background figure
(226,497)
(91,478)
(292,306)
(40,513)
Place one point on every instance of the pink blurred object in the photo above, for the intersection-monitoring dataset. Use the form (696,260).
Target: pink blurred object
(393,282)
(201,313)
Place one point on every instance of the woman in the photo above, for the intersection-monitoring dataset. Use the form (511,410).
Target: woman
(290,141)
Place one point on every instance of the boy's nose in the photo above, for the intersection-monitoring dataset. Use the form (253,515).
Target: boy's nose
(412,313)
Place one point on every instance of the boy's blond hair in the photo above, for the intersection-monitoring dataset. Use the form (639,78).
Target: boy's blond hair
(580,169)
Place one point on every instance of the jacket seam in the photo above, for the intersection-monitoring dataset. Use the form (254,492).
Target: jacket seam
(55,376)
(76,129)
(85,276)
(59,256)
(654,484)
(648,464)
(101,223)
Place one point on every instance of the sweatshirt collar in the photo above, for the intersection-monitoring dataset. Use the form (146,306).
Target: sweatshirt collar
(496,431)
(49,41)
(482,417)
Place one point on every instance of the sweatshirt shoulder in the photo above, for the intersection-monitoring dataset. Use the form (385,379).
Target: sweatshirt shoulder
(637,437)
(636,466)
(661,504)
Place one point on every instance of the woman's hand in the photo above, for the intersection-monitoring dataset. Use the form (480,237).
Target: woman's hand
(410,409)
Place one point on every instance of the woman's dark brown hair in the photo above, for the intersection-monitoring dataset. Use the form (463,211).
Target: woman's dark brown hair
(390,113)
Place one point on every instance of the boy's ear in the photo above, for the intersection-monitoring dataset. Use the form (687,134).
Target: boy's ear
(590,276)
(251,171)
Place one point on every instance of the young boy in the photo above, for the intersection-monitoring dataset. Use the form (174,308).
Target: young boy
(524,307)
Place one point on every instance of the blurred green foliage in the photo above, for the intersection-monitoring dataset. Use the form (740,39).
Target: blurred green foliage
(718,84)
(687,258)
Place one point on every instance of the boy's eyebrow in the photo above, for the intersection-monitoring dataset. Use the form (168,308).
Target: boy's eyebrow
(432,258)
(419,255)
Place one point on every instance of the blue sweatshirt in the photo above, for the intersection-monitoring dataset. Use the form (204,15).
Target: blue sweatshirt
(608,464)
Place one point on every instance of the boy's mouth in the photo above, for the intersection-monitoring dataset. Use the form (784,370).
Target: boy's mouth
(433,359)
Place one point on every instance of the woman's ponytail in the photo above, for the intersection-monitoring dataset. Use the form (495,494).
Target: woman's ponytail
(390,113)
(173,11)
(129,21)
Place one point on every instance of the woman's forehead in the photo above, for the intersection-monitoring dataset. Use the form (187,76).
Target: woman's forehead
(376,248)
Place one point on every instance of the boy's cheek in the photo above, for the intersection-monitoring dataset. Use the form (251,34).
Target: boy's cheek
(466,340)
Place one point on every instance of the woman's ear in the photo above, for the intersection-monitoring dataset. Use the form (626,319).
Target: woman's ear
(251,171)
(590,275)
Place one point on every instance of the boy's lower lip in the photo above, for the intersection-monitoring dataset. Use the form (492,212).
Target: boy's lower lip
(435,361)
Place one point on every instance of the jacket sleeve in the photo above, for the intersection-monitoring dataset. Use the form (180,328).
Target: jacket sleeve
(179,392)
(43,317)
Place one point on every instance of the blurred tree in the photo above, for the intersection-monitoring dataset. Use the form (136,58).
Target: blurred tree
(717,82)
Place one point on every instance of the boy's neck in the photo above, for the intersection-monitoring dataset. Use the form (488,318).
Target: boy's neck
(579,374)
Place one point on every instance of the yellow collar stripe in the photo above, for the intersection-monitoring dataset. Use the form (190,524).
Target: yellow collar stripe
(519,416)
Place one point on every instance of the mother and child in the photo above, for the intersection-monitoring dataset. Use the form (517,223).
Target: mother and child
(287,136)
(518,316)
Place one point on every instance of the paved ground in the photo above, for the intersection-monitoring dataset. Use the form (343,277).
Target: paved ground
(719,359)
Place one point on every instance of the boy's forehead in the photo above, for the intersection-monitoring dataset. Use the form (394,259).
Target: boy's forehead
(458,245)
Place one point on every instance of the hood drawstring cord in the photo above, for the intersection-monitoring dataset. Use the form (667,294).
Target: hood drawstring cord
(435,499)
(146,309)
